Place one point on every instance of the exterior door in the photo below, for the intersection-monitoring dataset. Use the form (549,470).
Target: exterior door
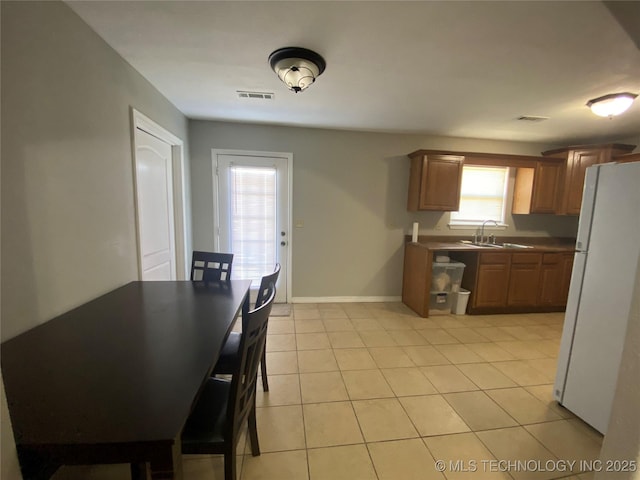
(154,201)
(253,215)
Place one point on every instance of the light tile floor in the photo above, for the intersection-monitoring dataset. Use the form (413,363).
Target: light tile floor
(372,391)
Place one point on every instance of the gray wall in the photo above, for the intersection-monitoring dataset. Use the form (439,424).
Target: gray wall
(68,225)
(350,191)
(9,467)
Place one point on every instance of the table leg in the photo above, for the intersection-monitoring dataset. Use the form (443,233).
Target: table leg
(35,466)
(168,465)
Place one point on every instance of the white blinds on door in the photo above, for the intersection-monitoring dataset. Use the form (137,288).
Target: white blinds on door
(252,191)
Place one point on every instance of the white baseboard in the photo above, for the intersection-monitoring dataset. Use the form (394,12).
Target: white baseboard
(344,299)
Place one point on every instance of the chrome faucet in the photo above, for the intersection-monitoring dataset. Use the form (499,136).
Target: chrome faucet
(482,239)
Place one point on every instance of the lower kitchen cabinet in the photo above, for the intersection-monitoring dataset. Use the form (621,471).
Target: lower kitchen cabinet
(550,280)
(567,268)
(493,280)
(524,279)
(504,282)
(555,277)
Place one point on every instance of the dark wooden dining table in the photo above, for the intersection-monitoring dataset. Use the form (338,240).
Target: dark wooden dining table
(114,380)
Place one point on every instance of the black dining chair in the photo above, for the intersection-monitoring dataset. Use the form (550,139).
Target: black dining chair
(211,266)
(229,356)
(215,423)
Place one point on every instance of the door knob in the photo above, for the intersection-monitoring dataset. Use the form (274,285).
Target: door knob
(283,243)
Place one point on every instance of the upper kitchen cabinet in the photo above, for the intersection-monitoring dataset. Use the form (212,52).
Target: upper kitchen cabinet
(632,157)
(545,187)
(536,189)
(434,181)
(576,161)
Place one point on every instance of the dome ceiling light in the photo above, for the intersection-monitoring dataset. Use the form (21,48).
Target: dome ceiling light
(612,104)
(297,67)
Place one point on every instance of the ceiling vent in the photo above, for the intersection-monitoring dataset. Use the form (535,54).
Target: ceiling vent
(532,118)
(258,95)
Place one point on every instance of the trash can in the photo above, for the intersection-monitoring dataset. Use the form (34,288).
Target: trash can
(460,300)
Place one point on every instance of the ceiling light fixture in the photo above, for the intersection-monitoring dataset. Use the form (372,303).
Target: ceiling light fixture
(612,104)
(297,67)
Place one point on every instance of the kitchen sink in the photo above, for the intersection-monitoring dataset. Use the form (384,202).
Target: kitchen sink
(485,245)
(515,245)
(495,245)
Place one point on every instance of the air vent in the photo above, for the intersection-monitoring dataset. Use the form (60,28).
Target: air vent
(258,95)
(532,118)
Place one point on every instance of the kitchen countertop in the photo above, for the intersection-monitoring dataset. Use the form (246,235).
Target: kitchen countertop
(458,246)
(419,256)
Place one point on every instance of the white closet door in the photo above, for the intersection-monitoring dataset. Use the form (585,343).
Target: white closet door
(154,202)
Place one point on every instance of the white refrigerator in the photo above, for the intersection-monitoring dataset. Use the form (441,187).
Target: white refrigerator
(601,292)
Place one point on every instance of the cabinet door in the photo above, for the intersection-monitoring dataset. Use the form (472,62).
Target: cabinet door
(578,162)
(567,268)
(440,183)
(524,279)
(415,180)
(492,285)
(546,186)
(551,278)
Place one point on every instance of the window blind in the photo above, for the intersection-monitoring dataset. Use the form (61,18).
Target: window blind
(483,195)
(252,192)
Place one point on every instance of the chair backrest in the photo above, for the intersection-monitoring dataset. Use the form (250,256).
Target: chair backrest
(244,377)
(267,283)
(211,266)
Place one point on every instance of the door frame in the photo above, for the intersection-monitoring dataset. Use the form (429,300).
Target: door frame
(144,123)
(288,221)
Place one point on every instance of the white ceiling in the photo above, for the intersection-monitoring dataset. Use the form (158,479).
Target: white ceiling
(464,69)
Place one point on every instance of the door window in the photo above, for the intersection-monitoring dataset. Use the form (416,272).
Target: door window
(253,218)
(253,215)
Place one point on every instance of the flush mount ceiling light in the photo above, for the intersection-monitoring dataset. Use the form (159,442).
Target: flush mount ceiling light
(612,104)
(297,67)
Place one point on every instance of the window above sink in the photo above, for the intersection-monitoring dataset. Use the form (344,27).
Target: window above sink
(483,196)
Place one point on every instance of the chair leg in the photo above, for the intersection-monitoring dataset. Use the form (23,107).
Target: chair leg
(263,369)
(138,471)
(230,463)
(253,431)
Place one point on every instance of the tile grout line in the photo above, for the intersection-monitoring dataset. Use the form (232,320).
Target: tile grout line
(396,396)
